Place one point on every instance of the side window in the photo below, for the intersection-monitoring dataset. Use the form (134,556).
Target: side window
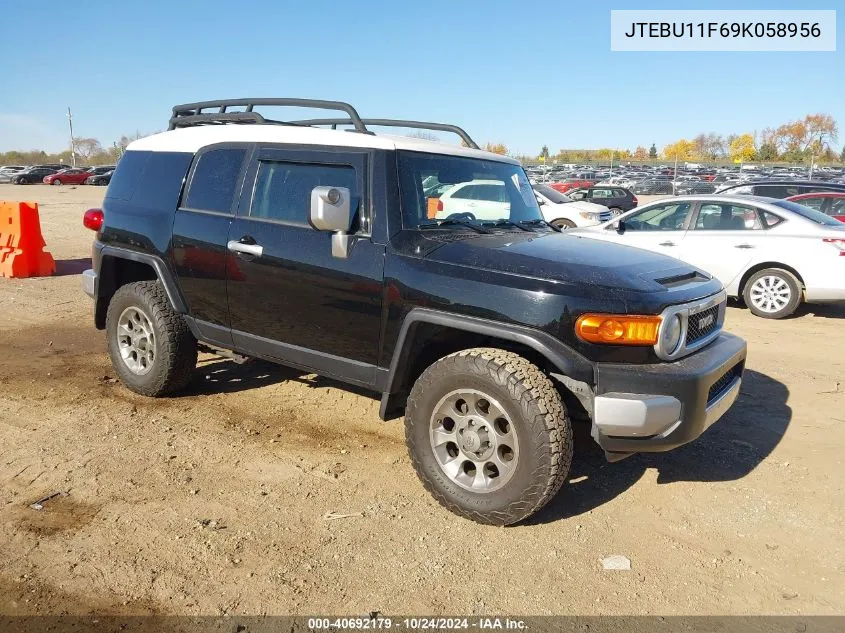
(465,193)
(727,217)
(127,175)
(602,193)
(283,190)
(775,191)
(619,193)
(491,193)
(665,217)
(577,195)
(215,179)
(770,219)
(813,203)
(837,206)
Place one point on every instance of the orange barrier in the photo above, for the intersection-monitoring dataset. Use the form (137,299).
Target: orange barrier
(21,242)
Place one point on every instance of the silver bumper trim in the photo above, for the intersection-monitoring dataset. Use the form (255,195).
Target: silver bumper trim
(89,282)
(635,415)
(721,404)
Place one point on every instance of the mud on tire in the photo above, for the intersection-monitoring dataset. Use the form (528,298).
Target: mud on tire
(175,357)
(537,417)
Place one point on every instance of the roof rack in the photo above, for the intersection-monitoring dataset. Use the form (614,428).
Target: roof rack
(191,114)
(420,125)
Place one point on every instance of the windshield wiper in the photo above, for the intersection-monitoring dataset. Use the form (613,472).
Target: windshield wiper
(539,221)
(504,222)
(440,223)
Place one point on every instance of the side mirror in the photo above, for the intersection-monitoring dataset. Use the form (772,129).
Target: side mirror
(331,210)
(540,201)
(620,227)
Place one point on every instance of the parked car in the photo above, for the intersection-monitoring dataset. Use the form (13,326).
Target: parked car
(831,203)
(652,186)
(617,199)
(67,177)
(8,172)
(99,169)
(100,179)
(571,183)
(691,187)
(779,188)
(315,248)
(566,213)
(32,175)
(772,253)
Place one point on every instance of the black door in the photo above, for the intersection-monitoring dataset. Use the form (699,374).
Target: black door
(200,231)
(289,298)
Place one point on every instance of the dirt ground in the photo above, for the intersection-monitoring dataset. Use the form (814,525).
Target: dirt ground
(215,502)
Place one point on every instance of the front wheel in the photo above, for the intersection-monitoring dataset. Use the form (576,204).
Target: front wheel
(57,182)
(488,435)
(772,293)
(564,224)
(151,348)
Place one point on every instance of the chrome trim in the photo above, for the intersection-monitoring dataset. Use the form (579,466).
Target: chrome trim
(721,404)
(635,415)
(249,249)
(89,282)
(684,310)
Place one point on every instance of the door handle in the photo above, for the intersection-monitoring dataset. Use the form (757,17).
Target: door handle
(247,249)
(744,246)
(667,243)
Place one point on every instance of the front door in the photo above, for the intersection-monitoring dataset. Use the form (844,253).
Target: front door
(289,297)
(723,239)
(659,228)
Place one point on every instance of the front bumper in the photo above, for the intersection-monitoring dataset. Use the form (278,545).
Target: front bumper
(89,282)
(648,408)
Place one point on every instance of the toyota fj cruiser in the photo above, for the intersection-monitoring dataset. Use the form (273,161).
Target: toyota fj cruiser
(320,247)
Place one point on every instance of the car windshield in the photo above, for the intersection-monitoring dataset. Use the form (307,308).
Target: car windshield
(553,195)
(435,188)
(806,212)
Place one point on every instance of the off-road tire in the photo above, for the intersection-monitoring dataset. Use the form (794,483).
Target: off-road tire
(564,224)
(795,289)
(176,347)
(539,418)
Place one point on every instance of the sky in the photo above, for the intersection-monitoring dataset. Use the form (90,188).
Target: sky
(525,74)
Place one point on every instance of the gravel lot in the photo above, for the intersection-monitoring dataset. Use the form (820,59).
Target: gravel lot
(214,502)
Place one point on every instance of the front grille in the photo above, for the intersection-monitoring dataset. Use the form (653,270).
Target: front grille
(720,386)
(605,216)
(702,323)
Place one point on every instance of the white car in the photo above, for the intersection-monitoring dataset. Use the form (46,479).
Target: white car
(564,212)
(774,254)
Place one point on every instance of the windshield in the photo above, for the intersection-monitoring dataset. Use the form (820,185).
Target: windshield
(553,195)
(436,188)
(806,212)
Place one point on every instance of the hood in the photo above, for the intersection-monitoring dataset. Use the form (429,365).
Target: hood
(572,259)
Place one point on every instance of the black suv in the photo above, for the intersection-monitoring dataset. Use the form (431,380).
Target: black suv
(33,175)
(490,329)
(780,188)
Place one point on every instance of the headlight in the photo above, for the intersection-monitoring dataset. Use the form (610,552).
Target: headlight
(670,334)
(588,215)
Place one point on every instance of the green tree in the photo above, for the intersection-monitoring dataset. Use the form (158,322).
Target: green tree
(767,151)
(652,153)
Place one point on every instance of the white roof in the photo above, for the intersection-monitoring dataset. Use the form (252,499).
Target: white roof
(192,139)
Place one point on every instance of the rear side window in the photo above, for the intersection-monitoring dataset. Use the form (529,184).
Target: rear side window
(283,190)
(215,180)
(127,175)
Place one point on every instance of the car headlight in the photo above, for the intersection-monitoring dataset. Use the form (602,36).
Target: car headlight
(670,334)
(588,215)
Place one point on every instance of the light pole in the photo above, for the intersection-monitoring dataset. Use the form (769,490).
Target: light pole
(72,148)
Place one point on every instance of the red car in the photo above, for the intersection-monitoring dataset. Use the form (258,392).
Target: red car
(572,183)
(830,202)
(67,177)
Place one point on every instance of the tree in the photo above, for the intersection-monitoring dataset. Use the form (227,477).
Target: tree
(742,148)
(709,146)
(544,153)
(680,150)
(496,148)
(85,148)
(652,152)
(842,155)
(641,153)
(767,151)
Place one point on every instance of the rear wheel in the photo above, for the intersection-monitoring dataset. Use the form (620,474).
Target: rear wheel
(56,181)
(151,347)
(488,435)
(772,293)
(564,224)
(615,211)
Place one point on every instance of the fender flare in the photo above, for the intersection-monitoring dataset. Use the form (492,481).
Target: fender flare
(566,360)
(163,273)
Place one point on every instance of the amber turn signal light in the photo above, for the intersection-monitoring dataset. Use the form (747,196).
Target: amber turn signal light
(618,329)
